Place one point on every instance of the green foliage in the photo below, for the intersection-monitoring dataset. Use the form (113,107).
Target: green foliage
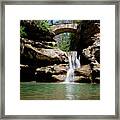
(23,33)
(43,25)
(33,28)
(68,42)
(72,41)
(76,21)
(64,45)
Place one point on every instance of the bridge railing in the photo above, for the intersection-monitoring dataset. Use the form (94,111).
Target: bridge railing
(60,26)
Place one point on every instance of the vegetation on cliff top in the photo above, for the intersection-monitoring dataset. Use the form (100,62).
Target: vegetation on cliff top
(34,28)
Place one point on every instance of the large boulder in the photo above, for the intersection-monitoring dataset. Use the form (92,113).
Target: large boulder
(55,73)
(85,70)
(88,73)
(53,69)
(59,78)
(83,74)
(42,57)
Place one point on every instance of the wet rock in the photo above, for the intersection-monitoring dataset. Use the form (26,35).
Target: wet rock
(60,69)
(82,79)
(55,73)
(85,70)
(83,74)
(59,78)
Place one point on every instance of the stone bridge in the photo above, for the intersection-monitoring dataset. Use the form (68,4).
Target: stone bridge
(62,28)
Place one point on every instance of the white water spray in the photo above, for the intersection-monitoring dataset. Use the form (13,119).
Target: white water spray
(73,64)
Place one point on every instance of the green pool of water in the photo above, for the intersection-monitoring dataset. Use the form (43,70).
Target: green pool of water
(59,91)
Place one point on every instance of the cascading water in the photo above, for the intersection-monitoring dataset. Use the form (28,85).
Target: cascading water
(73,64)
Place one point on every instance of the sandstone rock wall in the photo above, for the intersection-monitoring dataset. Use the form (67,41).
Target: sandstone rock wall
(39,55)
(88,46)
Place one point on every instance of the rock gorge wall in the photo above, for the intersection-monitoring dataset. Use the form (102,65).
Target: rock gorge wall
(42,61)
(88,46)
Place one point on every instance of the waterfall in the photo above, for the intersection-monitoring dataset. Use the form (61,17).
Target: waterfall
(73,64)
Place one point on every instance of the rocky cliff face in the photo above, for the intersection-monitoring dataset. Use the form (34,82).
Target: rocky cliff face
(88,46)
(39,56)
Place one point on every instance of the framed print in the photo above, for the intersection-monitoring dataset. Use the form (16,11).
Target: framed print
(60,59)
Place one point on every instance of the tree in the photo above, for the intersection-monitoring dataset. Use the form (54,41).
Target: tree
(32,29)
(43,24)
(65,42)
(23,33)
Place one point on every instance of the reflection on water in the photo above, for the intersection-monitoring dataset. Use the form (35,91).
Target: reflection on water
(59,91)
(69,92)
